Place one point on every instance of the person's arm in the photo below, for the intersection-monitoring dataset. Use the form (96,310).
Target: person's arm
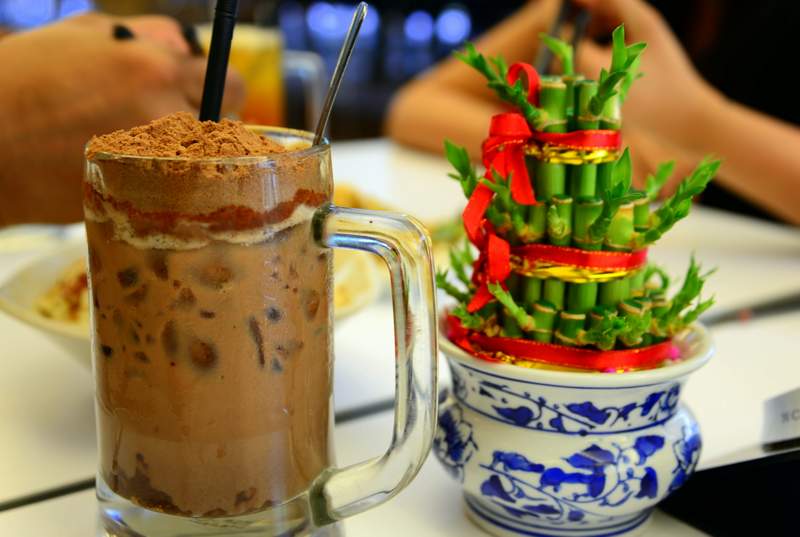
(761,155)
(71,80)
(672,105)
(451,100)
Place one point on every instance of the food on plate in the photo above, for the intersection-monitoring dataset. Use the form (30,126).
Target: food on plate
(68,298)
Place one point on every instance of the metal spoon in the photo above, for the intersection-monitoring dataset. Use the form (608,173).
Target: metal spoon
(338,72)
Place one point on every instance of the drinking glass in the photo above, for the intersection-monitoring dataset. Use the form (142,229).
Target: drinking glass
(211,319)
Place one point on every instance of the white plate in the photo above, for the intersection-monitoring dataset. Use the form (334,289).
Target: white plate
(20,292)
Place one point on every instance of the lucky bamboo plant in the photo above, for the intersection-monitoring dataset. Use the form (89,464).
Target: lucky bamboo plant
(584,204)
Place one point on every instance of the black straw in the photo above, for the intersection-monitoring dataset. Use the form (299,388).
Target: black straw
(224,20)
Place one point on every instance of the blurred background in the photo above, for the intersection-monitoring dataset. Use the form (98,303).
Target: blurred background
(399,39)
(402,38)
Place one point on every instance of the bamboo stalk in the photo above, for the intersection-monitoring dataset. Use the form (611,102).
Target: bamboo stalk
(559,220)
(531,290)
(637,282)
(553,292)
(511,327)
(611,120)
(581,297)
(570,325)
(641,215)
(587,210)
(571,81)
(597,315)
(537,222)
(619,236)
(553,100)
(638,316)
(544,315)
(613,292)
(583,178)
(550,178)
(660,304)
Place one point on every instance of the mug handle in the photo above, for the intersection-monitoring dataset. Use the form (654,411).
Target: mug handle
(406,248)
(310,69)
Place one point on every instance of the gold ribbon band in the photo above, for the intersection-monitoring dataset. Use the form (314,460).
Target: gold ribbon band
(556,154)
(567,273)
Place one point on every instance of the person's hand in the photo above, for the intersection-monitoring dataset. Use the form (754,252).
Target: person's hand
(155,28)
(71,80)
(669,96)
(144,77)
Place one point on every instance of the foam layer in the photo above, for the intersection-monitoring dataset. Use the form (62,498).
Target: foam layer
(126,232)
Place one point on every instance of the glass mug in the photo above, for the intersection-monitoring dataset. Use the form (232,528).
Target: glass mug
(257,53)
(211,333)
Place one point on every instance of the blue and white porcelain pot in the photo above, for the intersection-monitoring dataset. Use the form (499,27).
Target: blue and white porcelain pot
(542,452)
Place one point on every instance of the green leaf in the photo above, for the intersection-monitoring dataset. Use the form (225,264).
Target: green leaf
(469,320)
(444,284)
(448,231)
(696,312)
(623,71)
(635,51)
(524,320)
(495,75)
(460,259)
(623,171)
(501,65)
(631,76)
(617,194)
(631,69)
(636,326)
(604,334)
(654,270)
(678,205)
(457,264)
(675,320)
(459,159)
(562,50)
(654,183)
(619,52)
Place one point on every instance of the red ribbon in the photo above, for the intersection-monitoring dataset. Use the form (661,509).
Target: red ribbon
(504,151)
(493,265)
(594,360)
(534,82)
(589,259)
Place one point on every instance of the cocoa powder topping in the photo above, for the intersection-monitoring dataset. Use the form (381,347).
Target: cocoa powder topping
(182,135)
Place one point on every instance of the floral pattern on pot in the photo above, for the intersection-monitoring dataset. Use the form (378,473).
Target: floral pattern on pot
(453,444)
(519,403)
(687,453)
(595,477)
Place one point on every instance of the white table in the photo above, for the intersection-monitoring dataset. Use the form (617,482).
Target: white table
(47,430)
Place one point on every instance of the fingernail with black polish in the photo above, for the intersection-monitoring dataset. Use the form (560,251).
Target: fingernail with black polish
(122,32)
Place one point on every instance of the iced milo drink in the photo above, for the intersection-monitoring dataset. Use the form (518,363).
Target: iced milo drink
(211,315)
